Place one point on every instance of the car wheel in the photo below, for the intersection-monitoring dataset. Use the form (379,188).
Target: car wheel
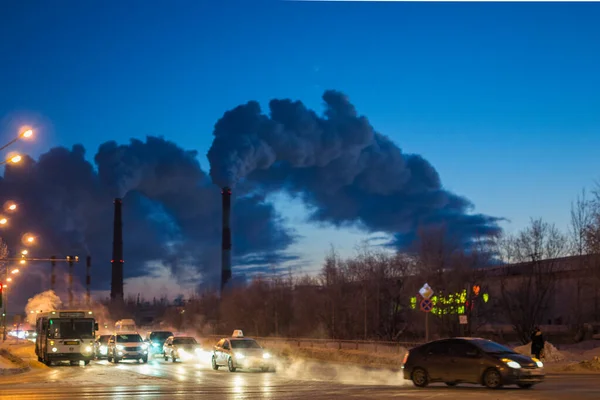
(116,360)
(145,360)
(230,365)
(451,384)
(214,363)
(525,385)
(86,362)
(173,358)
(166,357)
(492,379)
(419,377)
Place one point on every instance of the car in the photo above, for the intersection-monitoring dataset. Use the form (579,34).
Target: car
(127,346)
(181,348)
(156,340)
(240,352)
(101,347)
(471,360)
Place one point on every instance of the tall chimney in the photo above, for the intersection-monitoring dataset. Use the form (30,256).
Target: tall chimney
(226,241)
(116,286)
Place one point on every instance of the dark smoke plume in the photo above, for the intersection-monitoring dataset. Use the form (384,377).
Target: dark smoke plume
(341,168)
(171,212)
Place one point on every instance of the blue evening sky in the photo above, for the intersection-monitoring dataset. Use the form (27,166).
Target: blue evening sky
(502,98)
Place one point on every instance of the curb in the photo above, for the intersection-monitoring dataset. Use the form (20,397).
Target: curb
(22,365)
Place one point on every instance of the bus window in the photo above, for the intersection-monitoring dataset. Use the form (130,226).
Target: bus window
(71,328)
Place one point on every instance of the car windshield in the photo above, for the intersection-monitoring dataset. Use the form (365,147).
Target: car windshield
(185,340)
(129,338)
(104,338)
(71,328)
(160,336)
(492,347)
(245,344)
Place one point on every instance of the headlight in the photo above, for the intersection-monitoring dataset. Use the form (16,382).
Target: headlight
(239,355)
(120,347)
(155,344)
(102,348)
(145,346)
(266,355)
(511,363)
(538,363)
(88,349)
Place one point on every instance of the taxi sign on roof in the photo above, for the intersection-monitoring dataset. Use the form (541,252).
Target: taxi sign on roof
(426,291)
(238,333)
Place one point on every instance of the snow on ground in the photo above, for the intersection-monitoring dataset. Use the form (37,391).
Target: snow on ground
(6,364)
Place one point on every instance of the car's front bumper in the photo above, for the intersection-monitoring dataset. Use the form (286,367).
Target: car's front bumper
(131,355)
(253,362)
(523,376)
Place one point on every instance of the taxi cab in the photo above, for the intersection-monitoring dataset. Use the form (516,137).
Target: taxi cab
(240,352)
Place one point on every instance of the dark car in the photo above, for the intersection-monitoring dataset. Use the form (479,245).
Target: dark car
(101,347)
(157,340)
(471,360)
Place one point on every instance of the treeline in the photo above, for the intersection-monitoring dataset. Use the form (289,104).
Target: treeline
(373,295)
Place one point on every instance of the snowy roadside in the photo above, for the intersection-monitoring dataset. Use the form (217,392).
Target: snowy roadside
(20,354)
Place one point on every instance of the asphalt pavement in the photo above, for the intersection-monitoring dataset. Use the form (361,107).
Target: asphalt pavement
(167,380)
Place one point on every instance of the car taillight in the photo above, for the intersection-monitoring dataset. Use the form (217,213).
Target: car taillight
(405,358)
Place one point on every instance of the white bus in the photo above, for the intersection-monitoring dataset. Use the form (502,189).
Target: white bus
(65,335)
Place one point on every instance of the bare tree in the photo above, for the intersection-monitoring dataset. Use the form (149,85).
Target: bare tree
(527,286)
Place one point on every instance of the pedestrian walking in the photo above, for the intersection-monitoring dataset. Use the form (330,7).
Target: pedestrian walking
(537,343)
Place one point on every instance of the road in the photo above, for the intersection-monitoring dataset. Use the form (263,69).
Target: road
(166,380)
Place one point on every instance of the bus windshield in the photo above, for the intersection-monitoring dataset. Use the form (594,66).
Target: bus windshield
(71,328)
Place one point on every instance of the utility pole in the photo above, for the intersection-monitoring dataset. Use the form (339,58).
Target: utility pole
(88,279)
(70,260)
(52,273)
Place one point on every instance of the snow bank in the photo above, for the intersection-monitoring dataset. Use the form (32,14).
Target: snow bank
(551,353)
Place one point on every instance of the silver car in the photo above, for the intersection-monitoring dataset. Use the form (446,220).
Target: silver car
(240,352)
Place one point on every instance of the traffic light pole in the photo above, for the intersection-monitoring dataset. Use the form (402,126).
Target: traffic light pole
(4,302)
(53,260)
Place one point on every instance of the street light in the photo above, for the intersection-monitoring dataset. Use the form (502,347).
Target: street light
(8,279)
(24,252)
(14,159)
(22,261)
(30,239)
(3,221)
(25,133)
(15,271)
(12,207)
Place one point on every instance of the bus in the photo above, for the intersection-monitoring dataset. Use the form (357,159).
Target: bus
(65,335)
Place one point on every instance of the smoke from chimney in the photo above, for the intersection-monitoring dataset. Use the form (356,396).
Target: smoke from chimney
(116,287)
(226,241)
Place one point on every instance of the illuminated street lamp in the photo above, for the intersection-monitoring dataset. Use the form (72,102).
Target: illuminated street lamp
(24,252)
(3,221)
(15,271)
(8,279)
(22,262)
(26,133)
(12,207)
(30,239)
(14,159)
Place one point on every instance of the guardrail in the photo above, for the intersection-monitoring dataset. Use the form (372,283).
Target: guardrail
(333,344)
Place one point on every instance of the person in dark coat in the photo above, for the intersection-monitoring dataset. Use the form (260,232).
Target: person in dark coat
(537,343)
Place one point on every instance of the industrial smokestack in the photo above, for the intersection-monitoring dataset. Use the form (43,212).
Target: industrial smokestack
(226,241)
(116,286)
